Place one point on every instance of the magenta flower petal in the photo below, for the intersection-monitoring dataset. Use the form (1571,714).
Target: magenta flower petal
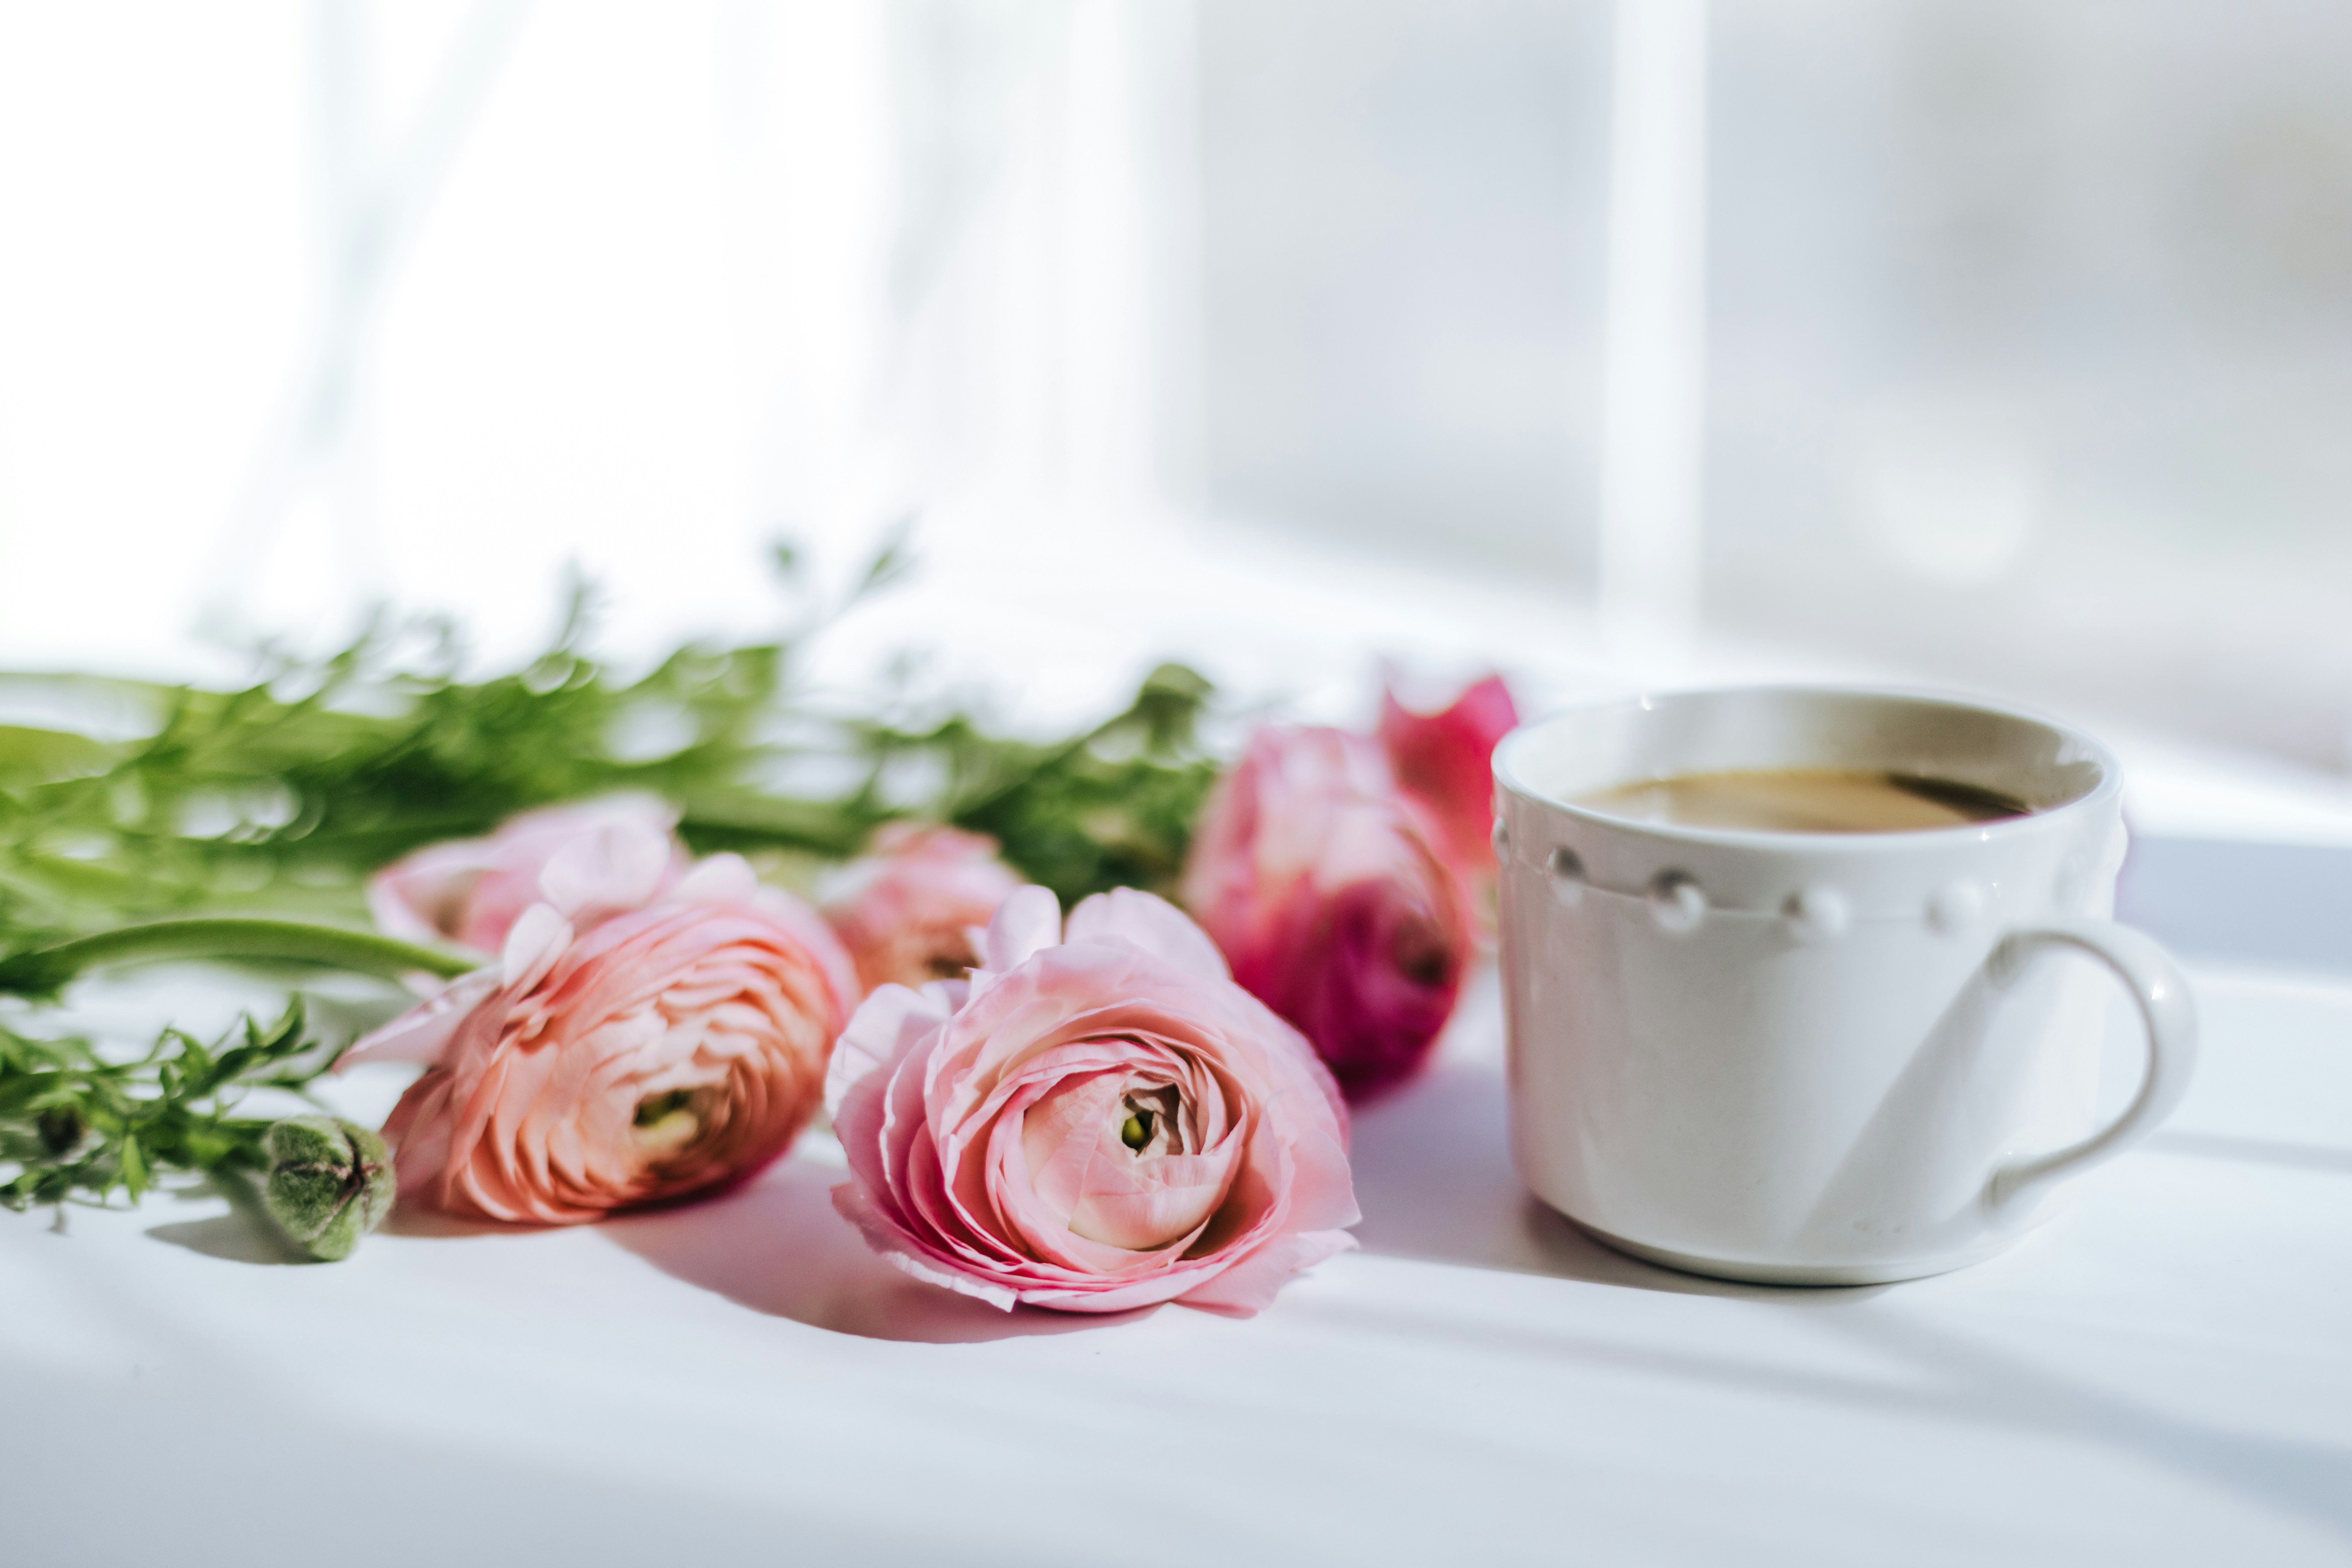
(1445,759)
(1328,892)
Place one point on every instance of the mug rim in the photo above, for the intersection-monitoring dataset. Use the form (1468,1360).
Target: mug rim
(1508,775)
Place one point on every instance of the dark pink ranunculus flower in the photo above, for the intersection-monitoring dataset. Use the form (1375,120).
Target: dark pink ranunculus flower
(1442,759)
(1098,1119)
(590,861)
(1326,888)
(909,909)
(665,1051)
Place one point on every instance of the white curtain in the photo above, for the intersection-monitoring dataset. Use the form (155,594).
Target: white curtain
(308,307)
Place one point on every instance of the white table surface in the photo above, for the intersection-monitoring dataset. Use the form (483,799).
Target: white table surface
(2164,1375)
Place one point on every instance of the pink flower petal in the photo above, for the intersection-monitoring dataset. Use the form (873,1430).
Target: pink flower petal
(665,1051)
(914,908)
(606,858)
(1028,921)
(620,864)
(1156,926)
(898,1250)
(719,879)
(536,940)
(1248,1287)
(888,1024)
(985,1124)
(423,1032)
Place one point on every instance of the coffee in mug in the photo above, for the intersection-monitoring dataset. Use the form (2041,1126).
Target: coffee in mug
(1806,800)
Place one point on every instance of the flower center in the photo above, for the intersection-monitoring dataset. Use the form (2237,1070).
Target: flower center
(1422,956)
(949,963)
(667,1123)
(1153,1120)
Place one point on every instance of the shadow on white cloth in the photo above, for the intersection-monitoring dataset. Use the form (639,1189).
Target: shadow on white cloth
(2294,1477)
(233,1236)
(243,1235)
(1434,1179)
(247,1234)
(776,1246)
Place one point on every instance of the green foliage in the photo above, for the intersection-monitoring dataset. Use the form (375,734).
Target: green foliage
(284,795)
(281,796)
(74,1125)
(1112,807)
(278,798)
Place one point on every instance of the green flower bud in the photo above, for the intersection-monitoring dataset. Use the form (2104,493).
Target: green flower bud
(330,1182)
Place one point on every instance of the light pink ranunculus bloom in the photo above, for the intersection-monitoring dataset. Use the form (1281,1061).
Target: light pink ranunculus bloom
(667,1050)
(908,910)
(1444,760)
(1098,1119)
(591,861)
(1326,888)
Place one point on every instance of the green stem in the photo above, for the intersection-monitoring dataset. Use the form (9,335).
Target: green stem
(975,811)
(45,971)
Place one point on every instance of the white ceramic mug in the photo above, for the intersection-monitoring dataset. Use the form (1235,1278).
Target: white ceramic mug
(1825,1058)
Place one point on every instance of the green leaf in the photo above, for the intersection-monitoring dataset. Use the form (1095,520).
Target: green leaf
(891,561)
(30,756)
(132,1166)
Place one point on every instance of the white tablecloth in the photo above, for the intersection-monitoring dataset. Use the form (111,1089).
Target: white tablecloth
(2164,1375)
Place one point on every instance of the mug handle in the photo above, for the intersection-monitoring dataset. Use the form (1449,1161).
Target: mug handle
(2156,984)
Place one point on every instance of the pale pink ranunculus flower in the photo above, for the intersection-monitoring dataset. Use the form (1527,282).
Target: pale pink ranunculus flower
(909,909)
(591,861)
(666,1050)
(1327,889)
(1444,758)
(1098,1119)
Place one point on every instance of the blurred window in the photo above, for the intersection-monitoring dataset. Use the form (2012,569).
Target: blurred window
(2031,363)
(1403,271)
(2028,328)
